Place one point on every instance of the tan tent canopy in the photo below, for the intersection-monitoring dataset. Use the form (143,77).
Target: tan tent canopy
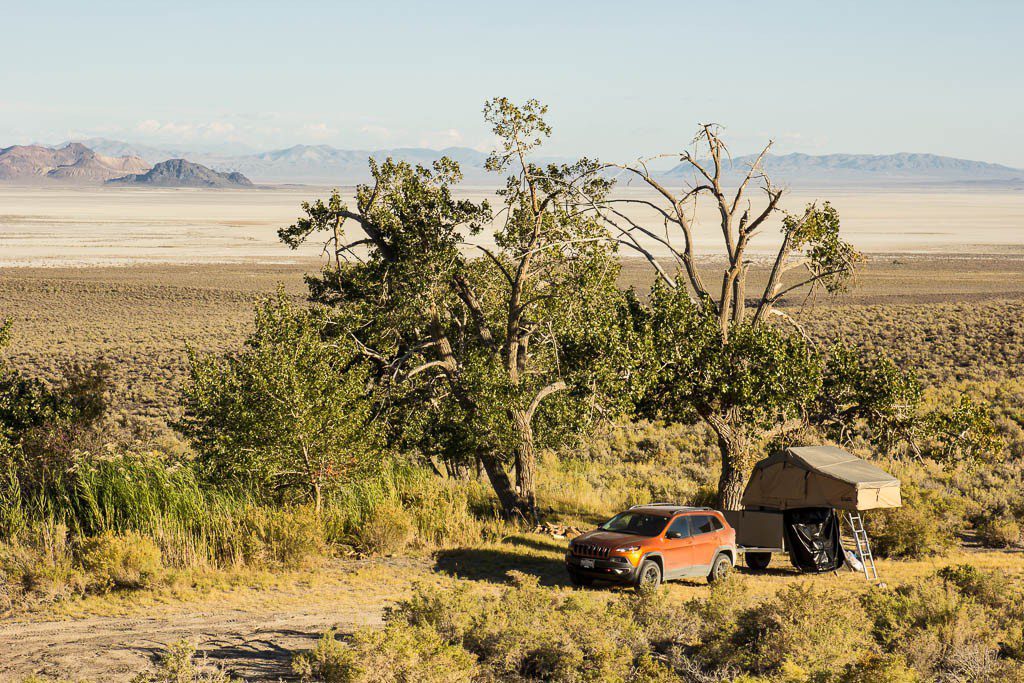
(820,476)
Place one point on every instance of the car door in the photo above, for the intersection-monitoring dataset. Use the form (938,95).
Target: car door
(677,548)
(704,539)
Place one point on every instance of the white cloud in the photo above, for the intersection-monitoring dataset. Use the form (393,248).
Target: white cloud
(319,131)
(178,131)
(449,137)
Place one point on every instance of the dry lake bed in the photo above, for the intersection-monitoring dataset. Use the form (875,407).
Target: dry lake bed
(72,226)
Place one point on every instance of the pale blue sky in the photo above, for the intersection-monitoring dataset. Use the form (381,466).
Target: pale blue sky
(622,79)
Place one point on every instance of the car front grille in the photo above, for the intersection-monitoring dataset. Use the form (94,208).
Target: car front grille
(589,550)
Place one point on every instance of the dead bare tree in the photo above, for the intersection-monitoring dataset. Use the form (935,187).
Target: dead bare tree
(811,255)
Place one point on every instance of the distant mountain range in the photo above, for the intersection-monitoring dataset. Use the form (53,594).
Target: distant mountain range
(181,173)
(323,164)
(860,169)
(303,163)
(71,163)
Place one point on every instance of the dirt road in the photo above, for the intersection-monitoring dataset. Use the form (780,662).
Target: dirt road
(249,633)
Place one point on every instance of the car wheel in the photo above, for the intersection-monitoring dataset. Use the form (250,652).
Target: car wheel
(720,568)
(757,561)
(649,576)
(579,580)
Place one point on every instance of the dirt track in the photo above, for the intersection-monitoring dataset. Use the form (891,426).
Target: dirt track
(254,642)
(255,646)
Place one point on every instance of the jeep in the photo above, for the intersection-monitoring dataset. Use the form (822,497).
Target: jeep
(648,544)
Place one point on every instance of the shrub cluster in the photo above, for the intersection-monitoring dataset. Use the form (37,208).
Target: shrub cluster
(957,625)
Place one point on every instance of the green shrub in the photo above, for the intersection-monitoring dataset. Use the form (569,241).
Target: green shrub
(38,567)
(399,652)
(113,560)
(926,524)
(998,531)
(388,529)
(178,665)
(880,668)
(804,627)
(404,505)
(991,589)
(664,622)
(289,537)
(523,632)
(941,630)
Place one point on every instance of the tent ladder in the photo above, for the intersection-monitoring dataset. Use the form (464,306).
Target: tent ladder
(860,537)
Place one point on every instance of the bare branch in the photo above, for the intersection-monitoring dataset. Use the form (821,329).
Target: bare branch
(497,262)
(541,395)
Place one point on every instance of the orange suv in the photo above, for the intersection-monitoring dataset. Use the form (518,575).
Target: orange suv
(648,544)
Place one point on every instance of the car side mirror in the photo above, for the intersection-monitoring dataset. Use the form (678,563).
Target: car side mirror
(674,534)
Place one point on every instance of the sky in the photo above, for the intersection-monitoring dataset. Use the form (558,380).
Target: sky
(621,79)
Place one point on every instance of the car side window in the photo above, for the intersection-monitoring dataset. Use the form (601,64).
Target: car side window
(704,524)
(680,526)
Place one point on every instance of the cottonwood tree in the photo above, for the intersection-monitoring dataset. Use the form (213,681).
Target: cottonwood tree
(874,399)
(488,352)
(721,355)
(291,415)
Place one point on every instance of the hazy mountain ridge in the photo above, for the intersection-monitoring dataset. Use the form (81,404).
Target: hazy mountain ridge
(73,162)
(325,164)
(182,173)
(864,168)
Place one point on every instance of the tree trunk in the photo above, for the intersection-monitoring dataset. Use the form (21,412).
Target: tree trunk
(318,501)
(735,465)
(526,462)
(512,504)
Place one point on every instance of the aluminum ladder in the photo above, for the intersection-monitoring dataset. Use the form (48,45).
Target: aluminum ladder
(860,538)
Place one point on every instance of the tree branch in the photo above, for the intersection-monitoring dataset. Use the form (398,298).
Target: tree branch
(542,394)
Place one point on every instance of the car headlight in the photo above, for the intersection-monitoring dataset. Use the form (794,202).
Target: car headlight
(632,553)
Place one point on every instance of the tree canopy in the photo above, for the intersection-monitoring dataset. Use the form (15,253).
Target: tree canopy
(291,415)
(488,351)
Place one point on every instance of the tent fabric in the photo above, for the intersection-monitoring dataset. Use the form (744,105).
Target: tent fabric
(812,537)
(820,476)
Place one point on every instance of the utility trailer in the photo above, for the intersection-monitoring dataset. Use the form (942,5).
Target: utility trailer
(794,501)
(759,535)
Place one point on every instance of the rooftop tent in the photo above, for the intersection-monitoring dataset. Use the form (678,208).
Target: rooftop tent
(819,476)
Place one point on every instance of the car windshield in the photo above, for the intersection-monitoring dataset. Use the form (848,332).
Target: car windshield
(636,523)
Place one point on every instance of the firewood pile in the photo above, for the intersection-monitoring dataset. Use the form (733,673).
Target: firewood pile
(557,530)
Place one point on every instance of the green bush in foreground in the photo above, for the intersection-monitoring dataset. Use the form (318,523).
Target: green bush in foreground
(178,665)
(402,652)
(957,625)
(128,560)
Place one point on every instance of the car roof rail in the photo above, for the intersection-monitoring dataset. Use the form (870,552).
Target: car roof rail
(668,505)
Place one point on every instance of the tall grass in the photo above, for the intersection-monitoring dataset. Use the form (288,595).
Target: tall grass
(196,524)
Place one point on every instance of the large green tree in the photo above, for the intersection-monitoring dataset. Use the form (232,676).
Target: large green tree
(489,351)
(290,415)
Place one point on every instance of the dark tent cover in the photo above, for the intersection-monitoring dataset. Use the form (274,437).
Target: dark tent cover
(812,537)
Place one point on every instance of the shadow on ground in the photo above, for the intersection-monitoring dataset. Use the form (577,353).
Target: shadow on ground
(493,564)
(552,545)
(261,658)
(781,570)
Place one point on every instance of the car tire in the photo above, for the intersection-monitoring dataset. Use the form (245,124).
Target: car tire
(649,575)
(579,580)
(720,568)
(758,561)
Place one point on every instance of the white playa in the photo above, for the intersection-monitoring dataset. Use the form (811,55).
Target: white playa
(59,226)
